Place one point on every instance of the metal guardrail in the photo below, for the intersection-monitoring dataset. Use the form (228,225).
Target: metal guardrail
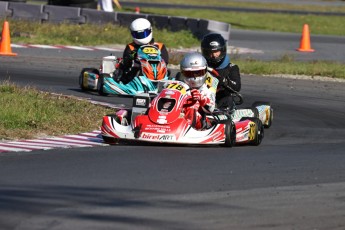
(59,14)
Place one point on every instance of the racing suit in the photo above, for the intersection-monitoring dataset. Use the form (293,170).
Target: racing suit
(205,101)
(130,65)
(229,76)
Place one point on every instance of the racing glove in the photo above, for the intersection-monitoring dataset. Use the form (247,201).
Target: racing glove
(197,96)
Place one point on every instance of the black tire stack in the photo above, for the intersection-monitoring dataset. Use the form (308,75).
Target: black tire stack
(74,3)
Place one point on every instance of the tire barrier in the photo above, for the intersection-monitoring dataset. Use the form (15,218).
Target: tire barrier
(79,15)
(74,3)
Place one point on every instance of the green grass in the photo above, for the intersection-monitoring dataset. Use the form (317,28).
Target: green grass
(288,66)
(326,25)
(27,113)
(256,5)
(87,34)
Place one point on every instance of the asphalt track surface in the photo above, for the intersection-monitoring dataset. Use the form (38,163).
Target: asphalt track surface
(294,180)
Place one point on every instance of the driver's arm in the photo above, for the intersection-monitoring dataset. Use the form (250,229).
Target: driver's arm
(234,77)
(128,57)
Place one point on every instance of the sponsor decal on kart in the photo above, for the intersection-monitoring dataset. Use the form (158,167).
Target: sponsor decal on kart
(140,102)
(158,137)
(162,120)
(158,128)
(251,135)
(169,92)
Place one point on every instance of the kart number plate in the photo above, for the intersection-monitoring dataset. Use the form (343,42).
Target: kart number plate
(178,87)
(150,50)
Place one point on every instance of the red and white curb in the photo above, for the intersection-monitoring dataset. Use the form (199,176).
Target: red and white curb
(89,139)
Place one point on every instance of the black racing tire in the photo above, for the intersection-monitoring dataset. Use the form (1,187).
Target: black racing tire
(70,2)
(58,2)
(230,134)
(259,130)
(81,76)
(100,84)
(110,140)
(90,5)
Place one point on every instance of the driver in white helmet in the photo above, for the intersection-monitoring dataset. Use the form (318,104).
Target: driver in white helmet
(141,31)
(203,86)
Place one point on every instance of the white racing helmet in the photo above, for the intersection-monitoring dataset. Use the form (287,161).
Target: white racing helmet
(141,31)
(193,67)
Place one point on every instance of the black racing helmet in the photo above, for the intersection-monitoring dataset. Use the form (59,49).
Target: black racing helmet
(212,42)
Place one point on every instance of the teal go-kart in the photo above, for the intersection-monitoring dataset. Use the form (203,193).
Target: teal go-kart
(153,70)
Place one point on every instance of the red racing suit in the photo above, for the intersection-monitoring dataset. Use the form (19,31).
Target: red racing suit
(205,102)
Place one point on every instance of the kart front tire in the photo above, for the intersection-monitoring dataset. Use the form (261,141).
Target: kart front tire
(100,85)
(230,134)
(110,140)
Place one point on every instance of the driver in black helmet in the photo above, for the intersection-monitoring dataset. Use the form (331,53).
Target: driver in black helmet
(213,48)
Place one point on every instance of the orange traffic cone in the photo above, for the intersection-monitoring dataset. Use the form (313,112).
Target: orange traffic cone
(305,40)
(5,46)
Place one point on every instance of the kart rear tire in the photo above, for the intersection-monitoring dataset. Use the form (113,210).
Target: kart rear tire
(100,85)
(270,119)
(81,76)
(230,134)
(259,130)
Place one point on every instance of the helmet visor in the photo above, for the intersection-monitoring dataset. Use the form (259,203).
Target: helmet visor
(141,34)
(193,73)
(208,52)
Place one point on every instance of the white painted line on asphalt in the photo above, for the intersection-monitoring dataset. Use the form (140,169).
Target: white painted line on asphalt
(78,48)
(43,46)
